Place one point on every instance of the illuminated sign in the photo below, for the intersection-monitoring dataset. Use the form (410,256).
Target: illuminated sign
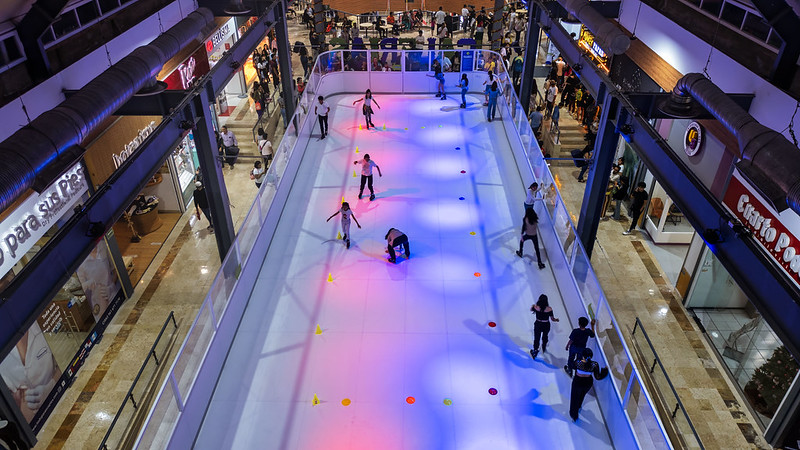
(31,219)
(133,145)
(216,39)
(777,241)
(693,139)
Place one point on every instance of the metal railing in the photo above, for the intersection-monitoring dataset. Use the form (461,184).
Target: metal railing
(628,407)
(119,433)
(659,378)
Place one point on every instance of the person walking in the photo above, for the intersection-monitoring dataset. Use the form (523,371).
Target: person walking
(366,108)
(536,120)
(321,109)
(619,196)
(258,173)
(487,87)
(464,84)
(516,68)
(201,204)
(494,92)
(585,370)
(264,147)
(577,343)
(550,98)
(541,328)
(530,231)
(534,193)
(395,237)
(366,175)
(230,146)
(439,18)
(639,197)
(346,213)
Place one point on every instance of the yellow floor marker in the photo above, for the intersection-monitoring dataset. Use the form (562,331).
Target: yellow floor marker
(384,127)
(339,235)
(359,126)
(354,174)
(315,401)
(330,278)
(356,149)
(318,331)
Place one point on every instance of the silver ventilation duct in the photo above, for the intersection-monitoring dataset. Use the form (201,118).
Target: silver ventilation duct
(608,36)
(29,155)
(769,161)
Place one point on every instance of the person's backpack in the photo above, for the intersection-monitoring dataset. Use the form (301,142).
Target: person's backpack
(578,155)
(517,67)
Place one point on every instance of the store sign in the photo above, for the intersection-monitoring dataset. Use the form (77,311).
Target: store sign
(224,32)
(133,145)
(31,219)
(184,76)
(693,139)
(780,243)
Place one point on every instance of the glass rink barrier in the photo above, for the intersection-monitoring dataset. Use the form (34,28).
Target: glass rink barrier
(258,265)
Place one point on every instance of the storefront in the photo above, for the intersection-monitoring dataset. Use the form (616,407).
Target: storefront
(42,364)
(236,89)
(147,222)
(587,42)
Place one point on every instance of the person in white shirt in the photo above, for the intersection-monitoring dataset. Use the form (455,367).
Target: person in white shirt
(258,173)
(366,175)
(230,146)
(550,98)
(440,19)
(419,41)
(264,147)
(464,18)
(346,213)
(534,193)
(367,107)
(322,109)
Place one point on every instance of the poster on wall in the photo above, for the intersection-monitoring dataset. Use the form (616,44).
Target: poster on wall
(30,371)
(99,279)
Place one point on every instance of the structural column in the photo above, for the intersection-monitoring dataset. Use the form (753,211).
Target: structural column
(211,170)
(284,59)
(497,24)
(597,181)
(529,62)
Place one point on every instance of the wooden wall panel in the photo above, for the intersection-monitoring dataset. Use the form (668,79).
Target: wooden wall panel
(98,157)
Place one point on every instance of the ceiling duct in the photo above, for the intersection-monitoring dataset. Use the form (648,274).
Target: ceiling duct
(608,36)
(30,155)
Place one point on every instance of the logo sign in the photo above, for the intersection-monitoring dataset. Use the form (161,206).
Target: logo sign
(186,74)
(133,145)
(224,32)
(693,139)
(31,219)
(774,237)
(597,50)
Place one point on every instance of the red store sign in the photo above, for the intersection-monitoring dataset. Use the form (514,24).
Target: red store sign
(767,229)
(190,70)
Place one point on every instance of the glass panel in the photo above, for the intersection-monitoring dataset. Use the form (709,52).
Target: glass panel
(732,14)
(775,40)
(417,61)
(385,61)
(87,12)
(193,351)
(161,421)
(712,7)
(756,26)
(249,231)
(12,49)
(357,60)
(644,421)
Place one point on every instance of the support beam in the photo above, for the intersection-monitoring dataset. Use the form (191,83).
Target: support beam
(497,25)
(529,61)
(211,169)
(785,67)
(284,59)
(774,295)
(30,30)
(599,171)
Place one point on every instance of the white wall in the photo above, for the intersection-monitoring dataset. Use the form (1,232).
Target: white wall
(48,94)
(688,53)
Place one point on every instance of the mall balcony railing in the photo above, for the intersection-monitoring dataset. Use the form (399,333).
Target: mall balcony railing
(627,407)
(683,430)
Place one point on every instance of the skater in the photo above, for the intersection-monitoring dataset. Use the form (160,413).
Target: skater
(530,231)
(492,107)
(577,343)
(366,108)
(541,328)
(366,175)
(585,369)
(395,237)
(437,73)
(322,109)
(463,85)
(488,84)
(534,193)
(347,213)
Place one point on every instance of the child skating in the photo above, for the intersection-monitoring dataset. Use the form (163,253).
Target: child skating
(367,107)
(346,213)
(366,176)
(463,85)
(437,73)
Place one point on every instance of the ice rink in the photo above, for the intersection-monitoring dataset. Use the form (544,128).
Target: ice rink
(416,329)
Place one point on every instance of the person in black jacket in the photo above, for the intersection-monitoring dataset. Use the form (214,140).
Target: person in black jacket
(541,328)
(582,382)
(201,203)
(639,197)
(530,231)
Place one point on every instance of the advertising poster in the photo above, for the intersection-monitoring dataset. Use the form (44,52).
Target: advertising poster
(30,371)
(99,279)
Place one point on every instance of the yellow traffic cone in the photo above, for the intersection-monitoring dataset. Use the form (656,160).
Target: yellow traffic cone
(384,127)
(330,278)
(343,199)
(338,236)
(359,126)
(356,149)
(315,401)
(354,174)
(318,330)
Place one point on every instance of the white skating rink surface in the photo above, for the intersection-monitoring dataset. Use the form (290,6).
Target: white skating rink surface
(415,329)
